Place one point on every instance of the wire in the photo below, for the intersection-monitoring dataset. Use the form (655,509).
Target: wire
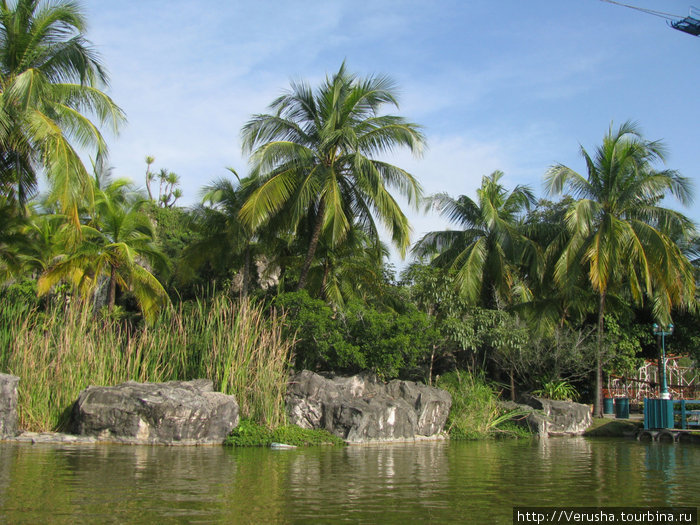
(660,14)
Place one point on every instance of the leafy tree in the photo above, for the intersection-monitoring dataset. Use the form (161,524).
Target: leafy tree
(50,77)
(552,304)
(314,158)
(485,253)
(359,337)
(320,337)
(619,232)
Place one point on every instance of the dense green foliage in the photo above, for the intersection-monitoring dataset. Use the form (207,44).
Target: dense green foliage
(360,337)
(250,434)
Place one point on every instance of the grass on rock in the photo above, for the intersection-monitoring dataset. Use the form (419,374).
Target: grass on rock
(250,434)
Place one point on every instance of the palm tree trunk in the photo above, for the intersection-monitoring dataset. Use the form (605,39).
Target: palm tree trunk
(324,281)
(111,298)
(312,246)
(598,401)
(430,371)
(246,272)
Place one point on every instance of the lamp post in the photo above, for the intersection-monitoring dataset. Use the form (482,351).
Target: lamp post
(663,331)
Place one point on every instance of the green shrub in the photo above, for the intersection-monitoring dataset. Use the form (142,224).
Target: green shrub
(360,337)
(476,412)
(557,389)
(251,434)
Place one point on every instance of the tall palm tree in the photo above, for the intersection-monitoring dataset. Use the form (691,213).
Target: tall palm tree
(50,78)
(486,252)
(619,232)
(315,158)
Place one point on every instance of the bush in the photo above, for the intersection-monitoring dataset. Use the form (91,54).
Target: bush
(476,412)
(559,390)
(389,343)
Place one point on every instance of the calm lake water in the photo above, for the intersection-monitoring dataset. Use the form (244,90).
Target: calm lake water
(473,482)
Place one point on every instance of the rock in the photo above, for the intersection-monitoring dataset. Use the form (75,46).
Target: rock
(548,417)
(8,404)
(177,412)
(361,408)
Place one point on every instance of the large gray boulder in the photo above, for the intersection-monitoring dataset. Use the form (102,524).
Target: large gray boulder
(8,405)
(177,412)
(548,417)
(363,409)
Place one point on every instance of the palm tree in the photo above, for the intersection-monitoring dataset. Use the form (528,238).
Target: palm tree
(49,79)
(552,305)
(118,244)
(150,176)
(314,158)
(352,269)
(486,252)
(12,239)
(619,232)
(225,242)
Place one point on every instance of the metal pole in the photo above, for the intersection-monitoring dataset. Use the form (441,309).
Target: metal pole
(664,384)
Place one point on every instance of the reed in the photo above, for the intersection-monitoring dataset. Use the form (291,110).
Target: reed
(59,352)
(476,412)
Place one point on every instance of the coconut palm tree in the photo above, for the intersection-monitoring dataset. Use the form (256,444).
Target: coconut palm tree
(225,242)
(50,78)
(117,244)
(352,269)
(486,251)
(619,231)
(314,156)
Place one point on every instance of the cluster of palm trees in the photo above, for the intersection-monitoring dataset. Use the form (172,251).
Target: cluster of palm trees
(612,240)
(309,208)
(51,107)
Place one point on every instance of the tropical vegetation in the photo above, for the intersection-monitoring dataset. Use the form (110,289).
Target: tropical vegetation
(286,267)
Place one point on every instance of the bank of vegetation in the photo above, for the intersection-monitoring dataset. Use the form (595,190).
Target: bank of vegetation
(286,266)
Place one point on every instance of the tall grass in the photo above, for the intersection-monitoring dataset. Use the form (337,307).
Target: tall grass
(62,351)
(476,412)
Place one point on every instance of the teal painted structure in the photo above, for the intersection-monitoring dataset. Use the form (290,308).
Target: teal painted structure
(658,413)
(622,408)
(661,413)
(607,405)
(689,416)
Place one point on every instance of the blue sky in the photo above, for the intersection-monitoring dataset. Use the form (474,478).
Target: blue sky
(512,85)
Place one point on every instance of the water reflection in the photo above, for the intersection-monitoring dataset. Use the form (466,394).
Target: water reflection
(440,482)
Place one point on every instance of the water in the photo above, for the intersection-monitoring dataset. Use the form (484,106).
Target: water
(473,482)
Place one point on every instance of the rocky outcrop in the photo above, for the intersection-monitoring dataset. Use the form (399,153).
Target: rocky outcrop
(177,412)
(363,409)
(8,405)
(548,417)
